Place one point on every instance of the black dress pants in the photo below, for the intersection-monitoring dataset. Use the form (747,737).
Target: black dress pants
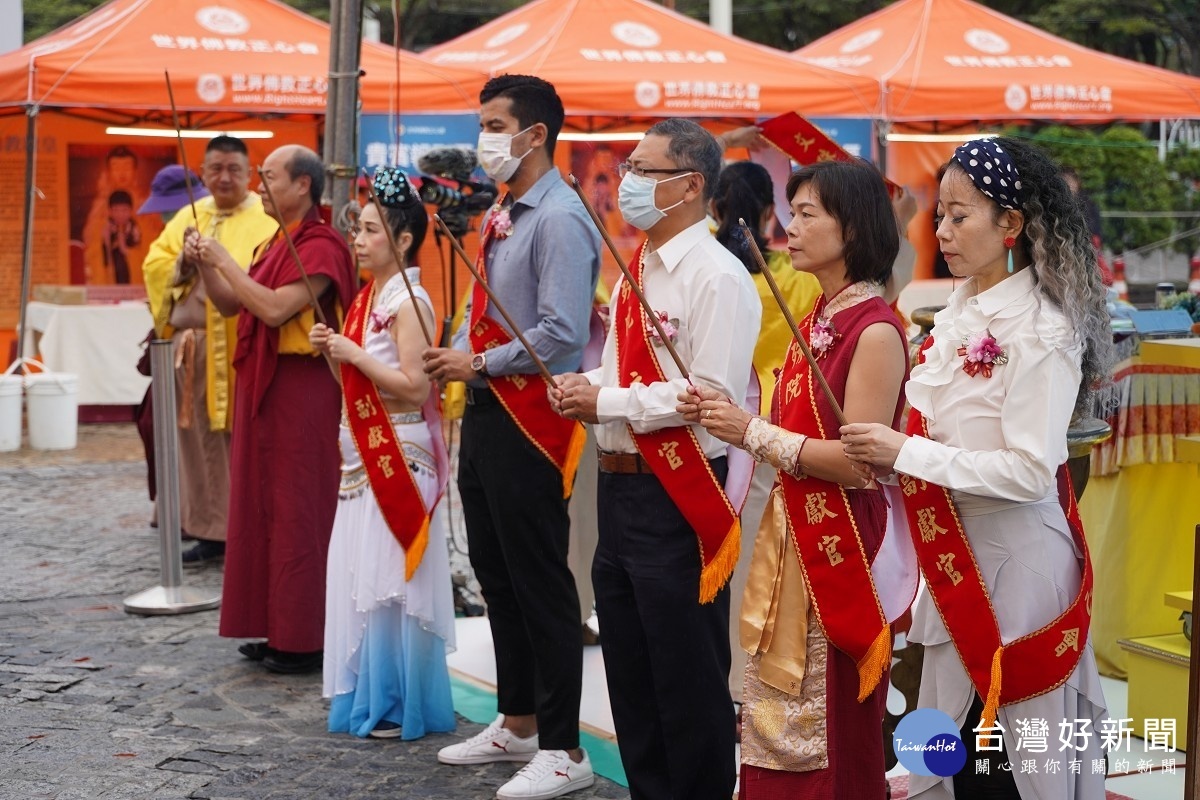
(666,655)
(517,532)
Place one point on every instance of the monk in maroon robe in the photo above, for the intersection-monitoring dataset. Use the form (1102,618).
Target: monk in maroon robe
(285,458)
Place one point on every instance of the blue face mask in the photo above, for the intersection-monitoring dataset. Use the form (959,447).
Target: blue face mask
(635,198)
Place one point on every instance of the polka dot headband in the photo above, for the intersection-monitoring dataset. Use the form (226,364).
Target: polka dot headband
(393,188)
(992,171)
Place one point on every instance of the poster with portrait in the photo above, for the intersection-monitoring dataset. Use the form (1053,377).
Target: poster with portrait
(109,183)
(595,165)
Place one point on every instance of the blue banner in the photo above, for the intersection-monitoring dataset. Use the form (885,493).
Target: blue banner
(415,135)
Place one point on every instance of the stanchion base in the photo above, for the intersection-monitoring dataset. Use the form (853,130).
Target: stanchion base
(172,600)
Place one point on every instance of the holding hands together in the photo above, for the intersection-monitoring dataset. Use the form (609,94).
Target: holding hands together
(574,397)
(873,445)
(713,411)
(338,347)
(203,251)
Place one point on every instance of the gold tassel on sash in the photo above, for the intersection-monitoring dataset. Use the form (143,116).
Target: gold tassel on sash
(571,463)
(870,667)
(988,718)
(716,573)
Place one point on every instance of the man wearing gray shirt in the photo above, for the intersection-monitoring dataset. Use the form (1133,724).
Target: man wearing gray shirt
(540,254)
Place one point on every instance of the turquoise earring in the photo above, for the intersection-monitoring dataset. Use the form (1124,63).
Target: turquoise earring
(1010,243)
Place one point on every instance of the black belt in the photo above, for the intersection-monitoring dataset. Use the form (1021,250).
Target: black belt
(624,463)
(481,396)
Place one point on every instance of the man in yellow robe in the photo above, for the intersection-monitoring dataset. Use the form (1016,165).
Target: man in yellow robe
(204,340)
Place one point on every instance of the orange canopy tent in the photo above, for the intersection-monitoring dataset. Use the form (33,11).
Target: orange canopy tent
(632,58)
(247,64)
(953,64)
(249,57)
(956,60)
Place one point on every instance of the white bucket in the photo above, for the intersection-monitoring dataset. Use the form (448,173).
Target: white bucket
(53,405)
(10,411)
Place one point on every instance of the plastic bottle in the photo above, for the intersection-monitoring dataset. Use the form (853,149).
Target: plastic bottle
(1119,284)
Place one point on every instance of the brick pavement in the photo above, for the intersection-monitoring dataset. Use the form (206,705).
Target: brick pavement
(97,703)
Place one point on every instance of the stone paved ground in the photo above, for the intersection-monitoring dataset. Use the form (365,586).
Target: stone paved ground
(97,703)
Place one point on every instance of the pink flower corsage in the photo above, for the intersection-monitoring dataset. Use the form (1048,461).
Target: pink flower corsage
(670,328)
(381,320)
(501,222)
(981,352)
(823,337)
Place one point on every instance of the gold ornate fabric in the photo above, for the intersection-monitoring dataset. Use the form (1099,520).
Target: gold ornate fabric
(774,622)
(785,732)
(775,445)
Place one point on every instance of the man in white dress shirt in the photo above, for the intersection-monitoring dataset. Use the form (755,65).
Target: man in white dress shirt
(664,553)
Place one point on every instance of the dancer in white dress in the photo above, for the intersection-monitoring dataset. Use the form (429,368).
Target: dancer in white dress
(389,613)
(1020,345)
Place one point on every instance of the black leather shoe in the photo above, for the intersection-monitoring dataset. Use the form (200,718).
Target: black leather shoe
(255,651)
(294,663)
(203,552)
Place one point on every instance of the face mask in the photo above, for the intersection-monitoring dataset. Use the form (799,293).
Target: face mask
(635,198)
(495,155)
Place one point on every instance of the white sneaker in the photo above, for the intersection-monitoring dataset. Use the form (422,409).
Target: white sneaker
(493,743)
(551,773)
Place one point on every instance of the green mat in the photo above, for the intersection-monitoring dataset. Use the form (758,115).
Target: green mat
(479,705)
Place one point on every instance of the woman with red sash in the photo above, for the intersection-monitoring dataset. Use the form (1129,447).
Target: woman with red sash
(812,620)
(1018,348)
(389,613)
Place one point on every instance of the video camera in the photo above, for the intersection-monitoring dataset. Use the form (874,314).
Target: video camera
(447,184)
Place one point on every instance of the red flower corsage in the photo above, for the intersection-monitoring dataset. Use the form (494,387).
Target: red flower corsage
(981,352)
(670,327)
(381,320)
(823,337)
(502,224)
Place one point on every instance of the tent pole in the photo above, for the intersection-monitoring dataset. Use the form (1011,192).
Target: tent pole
(341,113)
(31,113)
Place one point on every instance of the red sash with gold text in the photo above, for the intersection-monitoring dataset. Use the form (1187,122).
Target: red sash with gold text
(674,454)
(375,438)
(827,540)
(1002,673)
(524,396)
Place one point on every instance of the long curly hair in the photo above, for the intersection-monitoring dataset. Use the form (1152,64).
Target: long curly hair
(1059,247)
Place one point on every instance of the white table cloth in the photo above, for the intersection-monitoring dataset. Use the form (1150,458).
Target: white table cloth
(99,343)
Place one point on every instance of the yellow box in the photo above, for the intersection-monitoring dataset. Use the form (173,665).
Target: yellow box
(1171,352)
(1158,682)
(1181,600)
(1187,449)
(60,295)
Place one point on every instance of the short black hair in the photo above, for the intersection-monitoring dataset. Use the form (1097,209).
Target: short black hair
(691,147)
(533,100)
(121,151)
(854,193)
(227,144)
(120,198)
(306,162)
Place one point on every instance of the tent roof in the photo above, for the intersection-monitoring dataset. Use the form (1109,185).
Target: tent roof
(958,60)
(635,58)
(251,56)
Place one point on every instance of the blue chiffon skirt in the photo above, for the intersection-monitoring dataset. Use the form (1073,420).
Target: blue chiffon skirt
(402,678)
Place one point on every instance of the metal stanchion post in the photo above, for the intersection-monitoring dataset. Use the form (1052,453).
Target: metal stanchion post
(170,596)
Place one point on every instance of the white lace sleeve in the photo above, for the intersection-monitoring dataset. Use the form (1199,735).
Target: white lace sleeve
(777,446)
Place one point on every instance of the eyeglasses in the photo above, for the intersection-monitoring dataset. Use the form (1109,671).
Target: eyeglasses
(625,168)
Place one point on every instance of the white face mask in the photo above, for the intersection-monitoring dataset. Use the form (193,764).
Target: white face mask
(635,198)
(495,155)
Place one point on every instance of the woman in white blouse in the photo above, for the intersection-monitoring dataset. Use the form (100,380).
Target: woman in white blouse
(1019,347)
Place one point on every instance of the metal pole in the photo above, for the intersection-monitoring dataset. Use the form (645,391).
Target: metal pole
(27,235)
(1191,773)
(720,16)
(341,112)
(170,596)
